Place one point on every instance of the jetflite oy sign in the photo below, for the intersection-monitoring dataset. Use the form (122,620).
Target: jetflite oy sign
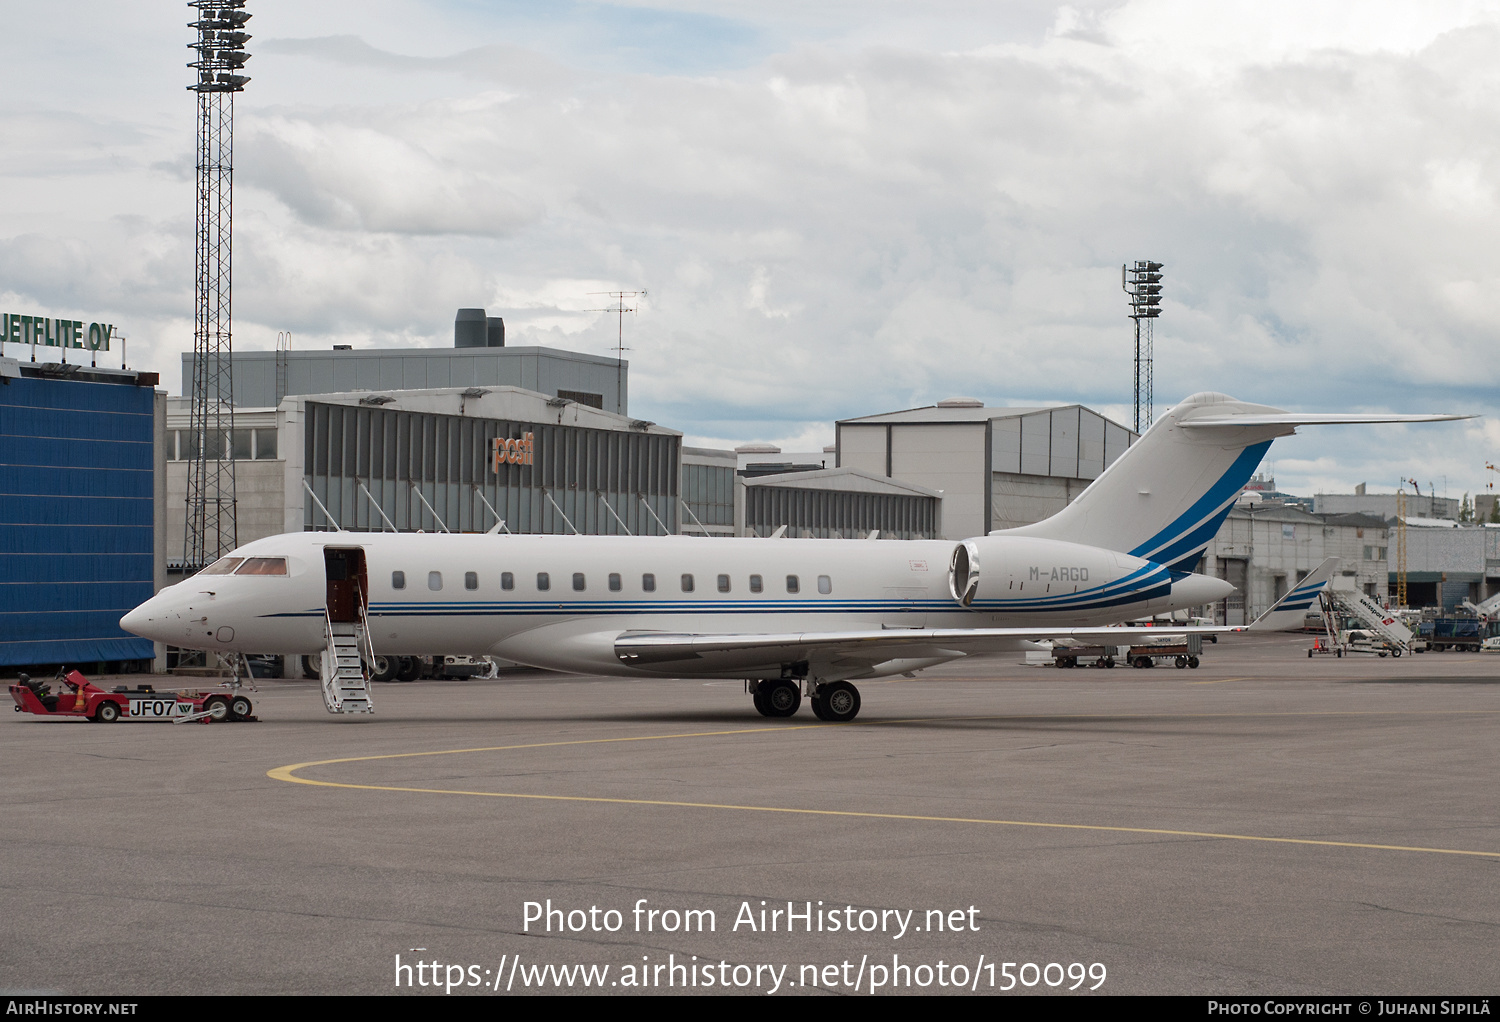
(47,332)
(505,450)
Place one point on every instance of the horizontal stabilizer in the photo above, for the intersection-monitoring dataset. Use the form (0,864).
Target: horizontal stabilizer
(1166,497)
(1313,419)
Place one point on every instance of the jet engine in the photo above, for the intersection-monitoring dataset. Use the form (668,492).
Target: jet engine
(1000,571)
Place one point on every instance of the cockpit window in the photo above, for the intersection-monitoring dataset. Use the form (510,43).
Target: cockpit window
(263,566)
(223,566)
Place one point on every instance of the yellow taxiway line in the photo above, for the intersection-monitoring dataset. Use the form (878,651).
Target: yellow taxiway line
(288,773)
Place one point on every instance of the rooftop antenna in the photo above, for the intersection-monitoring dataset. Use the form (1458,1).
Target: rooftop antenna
(619,309)
(283,360)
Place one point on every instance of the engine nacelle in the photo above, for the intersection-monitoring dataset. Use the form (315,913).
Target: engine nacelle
(1000,572)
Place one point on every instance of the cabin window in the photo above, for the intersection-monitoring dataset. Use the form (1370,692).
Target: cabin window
(648,583)
(614,582)
(723,583)
(792,585)
(435,581)
(755,584)
(825,584)
(507,580)
(578,583)
(543,581)
(398,580)
(471,580)
(223,566)
(687,583)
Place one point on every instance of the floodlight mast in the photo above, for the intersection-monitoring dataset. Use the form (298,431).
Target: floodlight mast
(211,528)
(1142,282)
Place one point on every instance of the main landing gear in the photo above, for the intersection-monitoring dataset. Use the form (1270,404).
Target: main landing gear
(778,698)
(833,701)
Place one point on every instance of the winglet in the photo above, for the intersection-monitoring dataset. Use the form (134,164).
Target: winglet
(1291,609)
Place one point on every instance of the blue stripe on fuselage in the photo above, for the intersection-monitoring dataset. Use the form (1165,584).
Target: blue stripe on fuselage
(1220,493)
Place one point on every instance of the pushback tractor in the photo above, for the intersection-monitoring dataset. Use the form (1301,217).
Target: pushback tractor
(76,696)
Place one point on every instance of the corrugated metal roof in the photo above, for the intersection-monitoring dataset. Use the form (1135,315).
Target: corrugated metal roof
(934,414)
(842,479)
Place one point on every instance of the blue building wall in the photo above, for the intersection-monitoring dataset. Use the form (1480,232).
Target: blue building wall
(76,529)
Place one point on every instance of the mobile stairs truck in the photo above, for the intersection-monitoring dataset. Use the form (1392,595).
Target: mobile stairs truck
(1376,629)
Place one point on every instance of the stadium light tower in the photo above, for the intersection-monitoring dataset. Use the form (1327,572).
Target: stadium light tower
(221,56)
(1142,282)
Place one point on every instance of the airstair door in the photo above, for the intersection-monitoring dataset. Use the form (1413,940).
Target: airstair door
(344,672)
(347,583)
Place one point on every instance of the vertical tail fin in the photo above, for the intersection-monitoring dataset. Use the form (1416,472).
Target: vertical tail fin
(1165,498)
(1292,609)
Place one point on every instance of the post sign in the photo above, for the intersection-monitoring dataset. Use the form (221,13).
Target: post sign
(55,333)
(506,450)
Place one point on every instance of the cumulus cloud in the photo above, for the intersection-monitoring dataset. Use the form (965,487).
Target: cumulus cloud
(848,210)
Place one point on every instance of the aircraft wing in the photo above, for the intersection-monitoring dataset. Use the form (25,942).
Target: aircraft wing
(869,645)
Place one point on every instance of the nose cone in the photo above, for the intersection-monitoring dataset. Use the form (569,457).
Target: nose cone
(146,620)
(1195,590)
(133,621)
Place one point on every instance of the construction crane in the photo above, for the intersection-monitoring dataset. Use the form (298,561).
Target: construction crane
(1401,546)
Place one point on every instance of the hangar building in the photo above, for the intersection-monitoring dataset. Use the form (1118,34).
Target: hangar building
(997,468)
(438,459)
(82,511)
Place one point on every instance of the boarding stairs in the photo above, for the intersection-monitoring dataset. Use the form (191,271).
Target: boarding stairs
(1488,609)
(1371,616)
(345,676)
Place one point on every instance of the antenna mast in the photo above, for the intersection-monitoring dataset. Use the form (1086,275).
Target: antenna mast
(619,309)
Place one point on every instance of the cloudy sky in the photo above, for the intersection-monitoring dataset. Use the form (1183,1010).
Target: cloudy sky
(836,208)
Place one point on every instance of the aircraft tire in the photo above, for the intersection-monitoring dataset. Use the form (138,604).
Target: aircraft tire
(760,702)
(410,669)
(781,698)
(239,707)
(384,668)
(310,666)
(836,702)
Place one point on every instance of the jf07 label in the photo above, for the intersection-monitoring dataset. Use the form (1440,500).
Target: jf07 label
(160,709)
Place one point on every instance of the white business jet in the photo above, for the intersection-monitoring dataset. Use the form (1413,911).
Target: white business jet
(791,617)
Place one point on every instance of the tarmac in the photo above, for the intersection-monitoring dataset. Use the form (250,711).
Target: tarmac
(1268,824)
